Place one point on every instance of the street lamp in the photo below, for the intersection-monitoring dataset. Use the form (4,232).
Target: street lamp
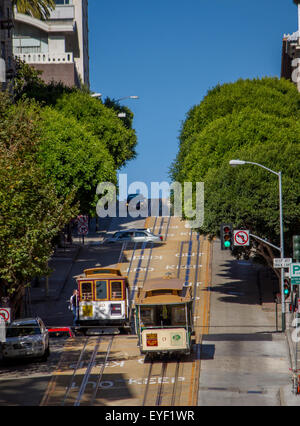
(96,95)
(240,163)
(127,97)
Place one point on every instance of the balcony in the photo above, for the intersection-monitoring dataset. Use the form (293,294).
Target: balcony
(50,26)
(62,12)
(46,58)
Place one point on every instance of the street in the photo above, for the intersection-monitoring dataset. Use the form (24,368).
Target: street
(238,357)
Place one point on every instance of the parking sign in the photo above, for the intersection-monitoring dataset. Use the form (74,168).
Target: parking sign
(295,270)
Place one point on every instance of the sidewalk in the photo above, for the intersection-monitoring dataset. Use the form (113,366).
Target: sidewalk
(287,397)
(245,356)
(61,263)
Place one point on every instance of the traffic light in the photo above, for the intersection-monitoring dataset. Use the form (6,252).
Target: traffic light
(296,247)
(287,288)
(226,236)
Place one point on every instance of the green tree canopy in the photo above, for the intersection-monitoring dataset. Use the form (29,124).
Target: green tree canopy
(73,158)
(252,120)
(83,141)
(31,213)
(102,122)
(271,96)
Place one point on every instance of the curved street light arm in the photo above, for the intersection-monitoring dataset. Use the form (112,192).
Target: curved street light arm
(264,167)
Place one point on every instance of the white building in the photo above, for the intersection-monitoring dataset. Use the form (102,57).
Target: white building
(290,63)
(57,46)
(6,57)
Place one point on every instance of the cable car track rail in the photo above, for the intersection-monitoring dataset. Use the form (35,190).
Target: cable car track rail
(161,393)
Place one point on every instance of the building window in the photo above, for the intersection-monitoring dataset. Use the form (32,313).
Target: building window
(60,2)
(3,50)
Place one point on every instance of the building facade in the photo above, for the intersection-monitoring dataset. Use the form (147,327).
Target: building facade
(58,46)
(6,55)
(290,63)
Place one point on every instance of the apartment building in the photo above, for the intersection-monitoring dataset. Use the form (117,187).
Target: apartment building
(6,54)
(58,46)
(290,60)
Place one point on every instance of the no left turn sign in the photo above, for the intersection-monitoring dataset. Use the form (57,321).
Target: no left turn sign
(5,314)
(241,238)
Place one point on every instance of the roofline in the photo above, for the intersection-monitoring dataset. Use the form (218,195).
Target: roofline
(43,25)
(165,303)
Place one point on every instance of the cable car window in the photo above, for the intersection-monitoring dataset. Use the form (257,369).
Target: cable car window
(116,289)
(178,315)
(147,316)
(86,291)
(101,290)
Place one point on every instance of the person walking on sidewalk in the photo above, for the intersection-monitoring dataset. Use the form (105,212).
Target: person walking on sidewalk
(74,306)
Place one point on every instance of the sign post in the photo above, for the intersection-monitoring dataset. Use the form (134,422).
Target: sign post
(2,330)
(82,226)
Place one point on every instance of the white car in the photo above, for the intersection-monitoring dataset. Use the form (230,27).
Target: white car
(26,338)
(134,235)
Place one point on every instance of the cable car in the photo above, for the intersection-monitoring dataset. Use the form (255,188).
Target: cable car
(164,317)
(103,299)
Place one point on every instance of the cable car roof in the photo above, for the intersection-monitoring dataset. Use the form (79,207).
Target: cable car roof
(163,284)
(164,291)
(105,273)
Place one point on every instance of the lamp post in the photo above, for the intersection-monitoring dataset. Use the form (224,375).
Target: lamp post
(96,95)
(127,97)
(278,174)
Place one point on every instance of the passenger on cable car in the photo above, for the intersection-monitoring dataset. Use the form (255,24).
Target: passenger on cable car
(165,316)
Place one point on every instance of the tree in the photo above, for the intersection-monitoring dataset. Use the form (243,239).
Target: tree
(270,96)
(82,141)
(31,213)
(102,122)
(254,120)
(73,157)
(39,9)
(120,109)
(28,84)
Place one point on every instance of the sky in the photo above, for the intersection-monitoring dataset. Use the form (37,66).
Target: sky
(170,53)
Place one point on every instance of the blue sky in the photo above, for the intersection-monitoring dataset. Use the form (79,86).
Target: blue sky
(170,52)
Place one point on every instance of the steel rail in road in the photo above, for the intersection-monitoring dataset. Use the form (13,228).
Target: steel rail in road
(100,375)
(161,397)
(86,376)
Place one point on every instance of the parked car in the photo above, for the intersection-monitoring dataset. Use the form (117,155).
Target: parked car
(26,338)
(135,236)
